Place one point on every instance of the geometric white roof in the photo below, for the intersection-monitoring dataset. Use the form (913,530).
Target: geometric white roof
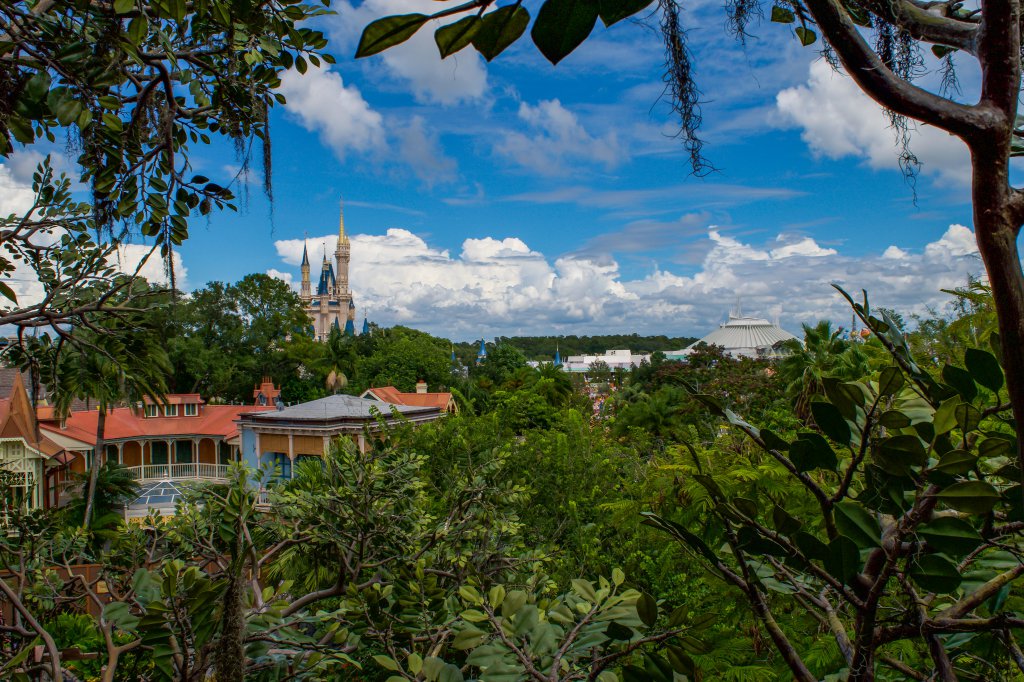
(750,336)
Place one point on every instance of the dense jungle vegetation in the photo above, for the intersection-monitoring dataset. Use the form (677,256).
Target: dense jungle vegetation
(530,537)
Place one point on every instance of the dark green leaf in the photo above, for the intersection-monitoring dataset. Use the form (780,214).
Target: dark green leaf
(773,441)
(831,422)
(961,381)
(956,463)
(613,11)
(843,559)
(811,451)
(784,522)
(970,497)
(950,535)
(619,632)
(897,454)
(681,661)
(562,25)
(811,546)
(894,419)
(806,36)
(968,417)
(782,15)
(123,6)
(984,368)
(499,29)
(890,381)
(647,609)
(388,32)
(453,37)
(857,523)
(935,573)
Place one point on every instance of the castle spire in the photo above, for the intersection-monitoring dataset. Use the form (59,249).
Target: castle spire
(305,254)
(342,237)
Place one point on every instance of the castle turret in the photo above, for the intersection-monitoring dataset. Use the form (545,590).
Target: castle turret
(305,294)
(341,255)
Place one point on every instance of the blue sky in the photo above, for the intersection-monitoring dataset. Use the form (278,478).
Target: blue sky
(517,197)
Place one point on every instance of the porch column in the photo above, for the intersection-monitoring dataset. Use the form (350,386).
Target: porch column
(361,440)
(259,455)
(120,455)
(327,444)
(171,455)
(291,454)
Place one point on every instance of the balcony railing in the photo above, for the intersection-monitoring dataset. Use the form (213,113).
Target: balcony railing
(190,470)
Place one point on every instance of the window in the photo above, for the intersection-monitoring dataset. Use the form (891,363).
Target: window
(150,410)
(191,409)
(170,410)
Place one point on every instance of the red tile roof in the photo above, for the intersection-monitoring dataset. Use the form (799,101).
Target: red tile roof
(123,423)
(390,394)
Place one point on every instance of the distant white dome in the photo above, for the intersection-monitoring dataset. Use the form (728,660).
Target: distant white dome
(750,336)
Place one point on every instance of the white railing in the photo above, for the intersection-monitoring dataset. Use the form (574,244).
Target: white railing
(167,472)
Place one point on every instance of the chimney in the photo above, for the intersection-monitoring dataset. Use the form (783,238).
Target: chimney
(421,386)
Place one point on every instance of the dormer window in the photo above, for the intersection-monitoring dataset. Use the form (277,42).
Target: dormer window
(151,410)
(191,409)
(170,410)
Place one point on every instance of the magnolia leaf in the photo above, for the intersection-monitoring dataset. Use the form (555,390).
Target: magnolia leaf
(951,536)
(388,32)
(499,29)
(945,417)
(782,15)
(806,36)
(843,560)
(562,25)
(647,609)
(831,422)
(970,497)
(454,37)
(612,11)
(984,368)
(956,463)
(935,573)
(387,662)
(890,381)
(857,523)
(961,381)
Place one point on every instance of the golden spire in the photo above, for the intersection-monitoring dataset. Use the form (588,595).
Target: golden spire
(341,222)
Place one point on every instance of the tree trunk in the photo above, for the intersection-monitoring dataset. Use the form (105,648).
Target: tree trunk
(996,232)
(229,657)
(90,493)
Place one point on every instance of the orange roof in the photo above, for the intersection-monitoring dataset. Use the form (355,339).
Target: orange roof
(175,399)
(390,394)
(123,423)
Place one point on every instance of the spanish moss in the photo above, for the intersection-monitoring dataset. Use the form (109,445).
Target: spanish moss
(680,85)
(740,14)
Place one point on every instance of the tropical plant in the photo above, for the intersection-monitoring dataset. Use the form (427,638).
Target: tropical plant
(114,488)
(127,366)
(823,354)
(898,533)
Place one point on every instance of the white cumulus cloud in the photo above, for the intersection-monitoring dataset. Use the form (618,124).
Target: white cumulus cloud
(838,120)
(322,103)
(500,285)
(415,64)
(555,138)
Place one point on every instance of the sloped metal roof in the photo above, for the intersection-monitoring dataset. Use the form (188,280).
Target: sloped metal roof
(745,334)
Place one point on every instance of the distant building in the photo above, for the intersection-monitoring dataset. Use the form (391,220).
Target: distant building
(421,398)
(283,436)
(614,359)
(750,337)
(332,306)
(33,466)
(165,445)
